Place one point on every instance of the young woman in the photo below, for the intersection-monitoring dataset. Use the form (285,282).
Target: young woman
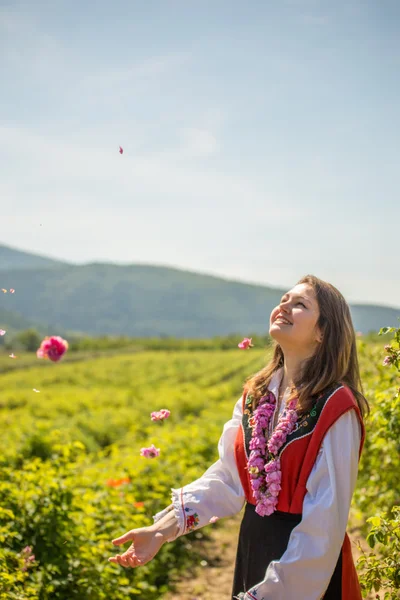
(289,454)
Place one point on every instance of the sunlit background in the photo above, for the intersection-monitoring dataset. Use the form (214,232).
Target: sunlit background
(261,139)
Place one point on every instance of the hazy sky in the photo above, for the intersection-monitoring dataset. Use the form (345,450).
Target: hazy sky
(261,138)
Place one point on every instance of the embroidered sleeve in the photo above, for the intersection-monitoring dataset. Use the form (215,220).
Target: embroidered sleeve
(218,492)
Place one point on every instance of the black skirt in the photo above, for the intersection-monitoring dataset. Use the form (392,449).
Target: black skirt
(264,539)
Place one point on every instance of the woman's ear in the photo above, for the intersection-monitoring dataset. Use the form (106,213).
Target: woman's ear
(320,336)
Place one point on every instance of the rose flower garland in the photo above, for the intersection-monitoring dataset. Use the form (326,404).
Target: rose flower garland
(264,463)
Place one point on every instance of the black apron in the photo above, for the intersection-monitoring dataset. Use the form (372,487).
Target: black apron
(264,539)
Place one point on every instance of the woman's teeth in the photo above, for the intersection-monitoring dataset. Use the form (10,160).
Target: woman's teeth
(282,320)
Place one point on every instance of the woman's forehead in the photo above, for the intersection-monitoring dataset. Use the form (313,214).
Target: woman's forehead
(302,289)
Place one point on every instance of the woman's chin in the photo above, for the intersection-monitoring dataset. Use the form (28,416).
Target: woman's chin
(277,333)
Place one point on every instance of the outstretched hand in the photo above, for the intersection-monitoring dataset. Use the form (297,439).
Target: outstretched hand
(145,544)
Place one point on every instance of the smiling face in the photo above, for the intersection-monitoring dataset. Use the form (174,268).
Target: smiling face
(293,324)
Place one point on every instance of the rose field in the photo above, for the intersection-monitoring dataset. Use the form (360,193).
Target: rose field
(72,477)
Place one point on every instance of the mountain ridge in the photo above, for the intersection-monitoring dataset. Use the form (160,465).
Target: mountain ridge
(142,300)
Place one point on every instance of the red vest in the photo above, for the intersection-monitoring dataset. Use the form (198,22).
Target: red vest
(298,456)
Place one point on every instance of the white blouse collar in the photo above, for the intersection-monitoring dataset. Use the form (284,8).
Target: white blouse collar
(276,382)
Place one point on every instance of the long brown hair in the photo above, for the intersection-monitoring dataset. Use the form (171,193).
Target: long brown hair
(335,360)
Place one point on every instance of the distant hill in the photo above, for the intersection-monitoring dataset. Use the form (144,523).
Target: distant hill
(11,258)
(370,317)
(140,300)
(13,322)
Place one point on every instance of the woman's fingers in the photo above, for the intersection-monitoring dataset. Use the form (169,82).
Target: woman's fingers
(134,561)
(147,543)
(127,559)
(121,560)
(127,537)
(117,560)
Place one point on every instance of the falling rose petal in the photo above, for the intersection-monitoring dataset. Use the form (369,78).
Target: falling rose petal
(35,390)
(213,519)
(3,332)
(12,355)
(121,150)
(12,291)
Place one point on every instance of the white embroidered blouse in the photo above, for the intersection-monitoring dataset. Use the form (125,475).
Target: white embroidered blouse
(315,543)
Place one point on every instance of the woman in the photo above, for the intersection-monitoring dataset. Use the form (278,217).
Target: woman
(290,453)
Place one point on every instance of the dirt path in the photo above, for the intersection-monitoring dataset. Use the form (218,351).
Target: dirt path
(216,564)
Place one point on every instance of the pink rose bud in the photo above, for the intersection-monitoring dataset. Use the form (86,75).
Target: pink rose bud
(121,150)
(387,361)
(213,519)
(245,344)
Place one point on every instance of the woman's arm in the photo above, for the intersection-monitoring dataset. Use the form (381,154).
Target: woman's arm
(217,493)
(305,569)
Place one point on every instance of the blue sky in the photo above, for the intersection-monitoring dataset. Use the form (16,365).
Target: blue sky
(261,139)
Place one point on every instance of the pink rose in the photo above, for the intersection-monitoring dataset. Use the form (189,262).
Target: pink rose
(160,415)
(274,477)
(258,442)
(273,465)
(266,507)
(274,489)
(53,348)
(256,462)
(245,344)
(150,452)
(263,421)
(257,483)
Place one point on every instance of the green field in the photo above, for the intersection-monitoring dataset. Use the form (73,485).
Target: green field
(63,446)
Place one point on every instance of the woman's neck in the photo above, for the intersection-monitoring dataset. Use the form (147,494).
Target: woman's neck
(291,367)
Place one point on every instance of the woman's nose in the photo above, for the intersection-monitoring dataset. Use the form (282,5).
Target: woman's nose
(284,307)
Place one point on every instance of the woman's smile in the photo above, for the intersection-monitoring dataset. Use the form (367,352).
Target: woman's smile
(283,320)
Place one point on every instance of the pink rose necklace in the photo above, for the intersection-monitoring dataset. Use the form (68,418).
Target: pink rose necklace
(264,463)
